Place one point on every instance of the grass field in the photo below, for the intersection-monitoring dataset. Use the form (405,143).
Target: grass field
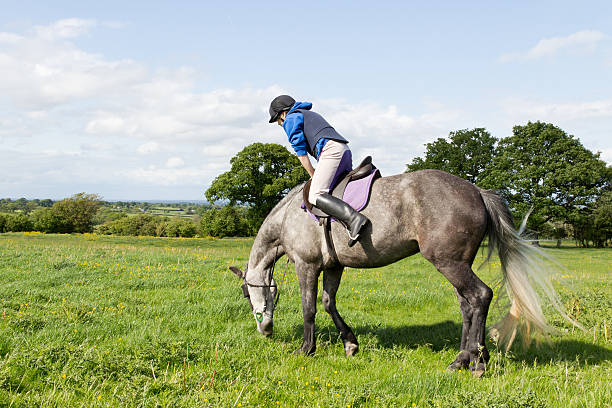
(122,321)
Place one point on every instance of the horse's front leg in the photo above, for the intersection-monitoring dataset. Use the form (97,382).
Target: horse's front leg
(331,282)
(308,277)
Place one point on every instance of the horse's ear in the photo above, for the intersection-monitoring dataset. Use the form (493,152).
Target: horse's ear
(237,272)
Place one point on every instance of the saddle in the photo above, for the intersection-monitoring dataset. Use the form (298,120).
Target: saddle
(360,193)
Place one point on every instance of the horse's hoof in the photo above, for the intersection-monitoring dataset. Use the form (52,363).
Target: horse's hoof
(452,368)
(307,351)
(478,371)
(351,349)
(462,362)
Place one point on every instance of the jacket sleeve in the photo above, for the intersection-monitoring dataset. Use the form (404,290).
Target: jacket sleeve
(294,127)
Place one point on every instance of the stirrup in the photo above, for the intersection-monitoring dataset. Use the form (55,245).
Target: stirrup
(352,241)
(355,238)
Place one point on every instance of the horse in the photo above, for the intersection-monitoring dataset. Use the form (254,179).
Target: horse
(443,217)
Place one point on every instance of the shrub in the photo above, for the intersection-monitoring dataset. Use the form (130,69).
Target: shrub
(141,224)
(179,227)
(46,220)
(15,223)
(149,225)
(228,221)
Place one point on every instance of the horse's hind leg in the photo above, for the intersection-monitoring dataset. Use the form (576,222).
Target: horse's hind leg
(463,359)
(478,297)
(331,282)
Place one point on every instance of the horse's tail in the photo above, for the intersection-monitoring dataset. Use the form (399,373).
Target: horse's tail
(521,266)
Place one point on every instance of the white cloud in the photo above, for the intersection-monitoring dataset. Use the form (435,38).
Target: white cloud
(114,115)
(148,148)
(66,28)
(10,38)
(558,111)
(392,137)
(167,177)
(174,162)
(586,39)
(45,70)
(606,155)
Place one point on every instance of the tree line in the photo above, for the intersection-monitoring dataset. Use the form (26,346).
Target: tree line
(540,168)
(85,213)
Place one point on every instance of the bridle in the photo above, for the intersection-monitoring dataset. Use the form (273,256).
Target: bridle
(245,291)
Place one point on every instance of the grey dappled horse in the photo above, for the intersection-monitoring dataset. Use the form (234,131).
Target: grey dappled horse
(430,211)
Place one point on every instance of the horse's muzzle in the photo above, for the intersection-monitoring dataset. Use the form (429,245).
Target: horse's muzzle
(266,327)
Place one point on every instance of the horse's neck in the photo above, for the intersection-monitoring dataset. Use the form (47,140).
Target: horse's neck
(267,247)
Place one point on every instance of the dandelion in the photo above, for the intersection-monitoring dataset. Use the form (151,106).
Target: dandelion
(64,376)
(280,382)
(99,397)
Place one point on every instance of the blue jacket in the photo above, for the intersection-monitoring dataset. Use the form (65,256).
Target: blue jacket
(294,127)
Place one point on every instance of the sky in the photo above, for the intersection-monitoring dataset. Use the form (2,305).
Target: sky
(150,100)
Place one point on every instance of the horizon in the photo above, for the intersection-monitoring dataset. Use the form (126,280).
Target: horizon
(126,100)
(152,201)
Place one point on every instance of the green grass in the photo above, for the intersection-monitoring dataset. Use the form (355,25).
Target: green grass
(122,321)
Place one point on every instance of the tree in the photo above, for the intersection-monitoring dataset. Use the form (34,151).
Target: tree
(260,176)
(602,219)
(542,166)
(466,155)
(594,225)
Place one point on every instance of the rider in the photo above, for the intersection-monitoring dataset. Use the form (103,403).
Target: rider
(309,133)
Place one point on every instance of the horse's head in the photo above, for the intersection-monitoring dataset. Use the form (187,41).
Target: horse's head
(260,290)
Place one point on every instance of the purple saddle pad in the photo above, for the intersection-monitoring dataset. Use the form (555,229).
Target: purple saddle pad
(356,194)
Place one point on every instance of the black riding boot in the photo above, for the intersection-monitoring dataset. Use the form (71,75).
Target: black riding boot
(344,213)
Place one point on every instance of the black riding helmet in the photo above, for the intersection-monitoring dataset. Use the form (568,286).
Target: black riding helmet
(279,105)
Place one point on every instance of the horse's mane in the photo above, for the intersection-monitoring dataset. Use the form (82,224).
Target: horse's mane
(269,231)
(284,201)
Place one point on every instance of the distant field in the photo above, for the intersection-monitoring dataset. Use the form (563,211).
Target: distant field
(123,321)
(170,212)
(161,211)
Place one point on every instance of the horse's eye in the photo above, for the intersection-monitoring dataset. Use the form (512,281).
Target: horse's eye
(245,291)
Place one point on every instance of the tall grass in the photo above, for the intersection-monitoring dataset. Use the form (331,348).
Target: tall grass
(121,321)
